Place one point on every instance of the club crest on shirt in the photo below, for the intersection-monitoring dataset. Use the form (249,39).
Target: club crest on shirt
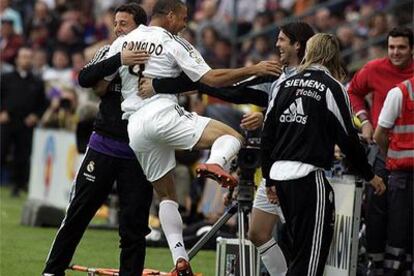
(90,167)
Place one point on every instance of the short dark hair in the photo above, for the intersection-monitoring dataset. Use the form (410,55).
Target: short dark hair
(298,32)
(140,17)
(163,7)
(404,32)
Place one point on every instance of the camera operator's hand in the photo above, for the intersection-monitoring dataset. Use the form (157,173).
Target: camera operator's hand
(55,104)
(252,120)
(132,57)
(229,197)
(265,68)
(378,185)
(272,195)
(145,89)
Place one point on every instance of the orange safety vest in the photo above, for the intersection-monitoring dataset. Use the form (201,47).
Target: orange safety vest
(400,155)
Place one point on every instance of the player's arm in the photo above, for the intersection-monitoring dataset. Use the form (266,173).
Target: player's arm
(381,138)
(241,93)
(193,64)
(337,102)
(100,66)
(390,111)
(357,90)
(226,77)
(267,144)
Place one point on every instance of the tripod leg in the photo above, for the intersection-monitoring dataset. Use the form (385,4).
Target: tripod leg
(242,251)
(222,220)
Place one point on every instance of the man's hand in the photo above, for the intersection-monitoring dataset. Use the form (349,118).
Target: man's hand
(378,185)
(269,67)
(131,57)
(271,195)
(31,120)
(145,89)
(367,132)
(4,117)
(252,120)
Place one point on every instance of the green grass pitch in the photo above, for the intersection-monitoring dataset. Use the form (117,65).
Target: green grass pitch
(23,250)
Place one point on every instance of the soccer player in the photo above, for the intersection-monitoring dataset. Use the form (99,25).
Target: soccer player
(108,159)
(291,43)
(310,114)
(158,126)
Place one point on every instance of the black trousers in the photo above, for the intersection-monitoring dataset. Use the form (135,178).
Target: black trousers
(376,215)
(308,205)
(399,246)
(16,136)
(92,186)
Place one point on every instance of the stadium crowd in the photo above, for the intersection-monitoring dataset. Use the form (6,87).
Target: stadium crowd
(44,44)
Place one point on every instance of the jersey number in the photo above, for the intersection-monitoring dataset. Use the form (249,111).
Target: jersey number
(136,70)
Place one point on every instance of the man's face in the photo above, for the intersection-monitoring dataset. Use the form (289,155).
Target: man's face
(178,20)
(288,53)
(124,23)
(24,59)
(399,51)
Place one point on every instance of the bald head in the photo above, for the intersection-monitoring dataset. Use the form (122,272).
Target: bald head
(164,7)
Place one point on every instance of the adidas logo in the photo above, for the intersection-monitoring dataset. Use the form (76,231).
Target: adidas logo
(294,114)
(178,244)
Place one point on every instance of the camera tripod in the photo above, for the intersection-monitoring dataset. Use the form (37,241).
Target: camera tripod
(242,206)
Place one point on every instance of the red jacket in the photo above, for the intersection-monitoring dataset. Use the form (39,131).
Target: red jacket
(400,155)
(377,76)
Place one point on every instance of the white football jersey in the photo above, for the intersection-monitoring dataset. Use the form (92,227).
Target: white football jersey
(169,56)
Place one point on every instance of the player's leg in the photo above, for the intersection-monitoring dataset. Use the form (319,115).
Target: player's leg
(183,130)
(225,143)
(135,196)
(156,155)
(92,185)
(308,206)
(263,219)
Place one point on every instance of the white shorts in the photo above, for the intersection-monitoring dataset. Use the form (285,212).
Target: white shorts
(159,128)
(262,203)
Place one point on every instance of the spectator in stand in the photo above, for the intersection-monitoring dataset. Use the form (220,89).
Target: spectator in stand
(39,61)
(378,77)
(22,104)
(42,17)
(261,48)
(378,25)
(395,137)
(222,54)
(206,19)
(279,15)
(70,33)
(38,36)
(10,42)
(209,37)
(61,112)
(5,67)
(246,11)
(6,12)
(59,74)
(322,20)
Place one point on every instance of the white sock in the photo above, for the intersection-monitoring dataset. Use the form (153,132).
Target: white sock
(223,150)
(172,225)
(273,258)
